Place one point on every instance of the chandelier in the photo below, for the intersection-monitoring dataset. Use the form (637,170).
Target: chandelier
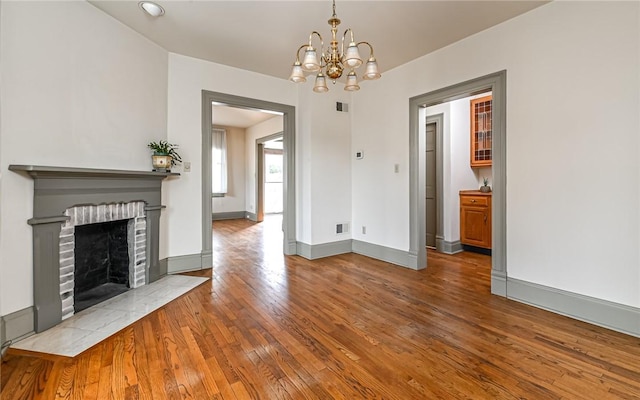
(334,61)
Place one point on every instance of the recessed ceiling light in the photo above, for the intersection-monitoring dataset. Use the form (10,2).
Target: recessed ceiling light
(151,8)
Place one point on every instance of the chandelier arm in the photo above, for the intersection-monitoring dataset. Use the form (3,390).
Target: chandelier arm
(348,30)
(319,37)
(321,43)
(298,52)
(370,47)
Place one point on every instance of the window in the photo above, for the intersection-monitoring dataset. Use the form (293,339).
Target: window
(218,162)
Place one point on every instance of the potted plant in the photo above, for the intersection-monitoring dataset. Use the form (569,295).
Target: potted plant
(485,188)
(164,155)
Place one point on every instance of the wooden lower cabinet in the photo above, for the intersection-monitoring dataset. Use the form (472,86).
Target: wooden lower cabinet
(475,218)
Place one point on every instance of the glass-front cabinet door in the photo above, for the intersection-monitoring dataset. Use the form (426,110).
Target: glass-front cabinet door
(481,132)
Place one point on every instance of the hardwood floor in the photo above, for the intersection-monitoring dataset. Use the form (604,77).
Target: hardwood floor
(346,327)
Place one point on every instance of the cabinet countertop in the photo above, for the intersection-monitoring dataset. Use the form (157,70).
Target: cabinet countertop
(475,193)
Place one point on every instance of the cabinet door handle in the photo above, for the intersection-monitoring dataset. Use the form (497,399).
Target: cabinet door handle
(485,218)
(473,200)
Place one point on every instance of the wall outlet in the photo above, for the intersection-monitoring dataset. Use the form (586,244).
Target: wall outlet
(364,230)
(396,168)
(187,166)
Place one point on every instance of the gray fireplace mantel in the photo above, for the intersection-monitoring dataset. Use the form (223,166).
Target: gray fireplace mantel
(59,188)
(47,171)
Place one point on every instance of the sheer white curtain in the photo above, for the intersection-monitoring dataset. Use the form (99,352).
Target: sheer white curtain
(218,162)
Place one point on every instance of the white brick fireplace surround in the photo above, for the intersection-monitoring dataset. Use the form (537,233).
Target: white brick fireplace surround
(67,197)
(92,214)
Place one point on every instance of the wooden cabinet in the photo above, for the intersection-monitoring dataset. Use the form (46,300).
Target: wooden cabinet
(481,134)
(475,218)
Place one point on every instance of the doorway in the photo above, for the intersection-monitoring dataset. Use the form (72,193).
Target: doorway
(269,187)
(288,172)
(496,83)
(272,177)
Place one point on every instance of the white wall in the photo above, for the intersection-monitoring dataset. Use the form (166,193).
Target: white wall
(187,78)
(572,158)
(330,157)
(236,165)
(323,175)
(79,89)
(266,128)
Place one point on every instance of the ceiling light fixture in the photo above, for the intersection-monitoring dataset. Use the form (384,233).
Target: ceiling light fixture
(332,63)
(151,8)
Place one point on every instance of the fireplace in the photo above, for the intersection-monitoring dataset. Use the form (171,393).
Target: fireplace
(102,253)
(101,269)
(67,200)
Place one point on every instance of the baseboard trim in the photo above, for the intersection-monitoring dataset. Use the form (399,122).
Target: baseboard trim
(446,247)
(498,283)
(412,261)
(249,215)
(618,317)
(206,259)
(228,215)
(291,248)
(312,252)
(388,254)
(188,262)
(17,325)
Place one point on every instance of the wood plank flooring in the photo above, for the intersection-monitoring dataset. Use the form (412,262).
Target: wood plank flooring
(346,327)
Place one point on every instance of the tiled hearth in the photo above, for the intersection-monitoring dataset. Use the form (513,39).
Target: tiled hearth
(87,328)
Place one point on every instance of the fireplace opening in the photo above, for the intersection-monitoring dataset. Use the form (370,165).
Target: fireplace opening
(101,262)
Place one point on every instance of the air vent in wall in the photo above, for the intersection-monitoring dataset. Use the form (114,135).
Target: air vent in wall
(342,228)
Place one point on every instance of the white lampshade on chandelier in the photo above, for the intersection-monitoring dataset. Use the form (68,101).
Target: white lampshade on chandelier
(332,63)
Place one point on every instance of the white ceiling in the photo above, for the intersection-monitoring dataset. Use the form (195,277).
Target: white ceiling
(263,36)
(238,117)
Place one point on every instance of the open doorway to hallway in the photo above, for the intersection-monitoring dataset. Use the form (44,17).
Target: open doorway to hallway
(496,84)
(234,164)
(287,112)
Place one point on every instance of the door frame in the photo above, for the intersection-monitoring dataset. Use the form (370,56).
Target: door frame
(497,84)
(288,134)
(260,172)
